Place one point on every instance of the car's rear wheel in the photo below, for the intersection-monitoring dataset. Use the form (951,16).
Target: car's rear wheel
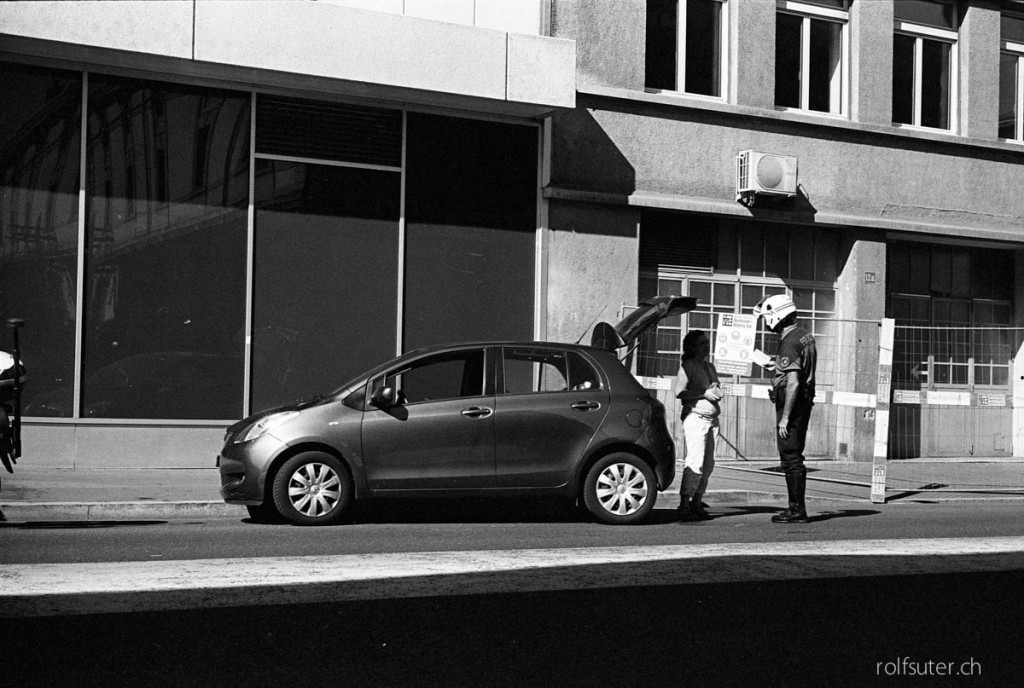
(313,489)
(620,489)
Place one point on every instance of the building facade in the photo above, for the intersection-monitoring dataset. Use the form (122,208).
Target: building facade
(211,208)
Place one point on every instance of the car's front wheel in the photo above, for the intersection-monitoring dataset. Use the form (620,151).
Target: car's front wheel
(313,489)
(620,489)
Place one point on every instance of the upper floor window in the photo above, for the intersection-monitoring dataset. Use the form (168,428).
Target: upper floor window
(686,42)
(924,50)
(1011,78)
(810,45)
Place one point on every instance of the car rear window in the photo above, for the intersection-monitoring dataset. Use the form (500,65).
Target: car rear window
(531,370)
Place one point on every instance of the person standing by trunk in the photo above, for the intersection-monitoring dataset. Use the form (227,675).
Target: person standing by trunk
(698,389)
(793,394)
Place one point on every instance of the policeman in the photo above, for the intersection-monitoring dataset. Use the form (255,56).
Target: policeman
(793,394)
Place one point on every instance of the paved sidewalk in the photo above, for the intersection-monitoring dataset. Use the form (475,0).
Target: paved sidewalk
(38,493)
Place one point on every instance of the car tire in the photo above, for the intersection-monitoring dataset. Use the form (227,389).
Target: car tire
(620,489)
(313,489)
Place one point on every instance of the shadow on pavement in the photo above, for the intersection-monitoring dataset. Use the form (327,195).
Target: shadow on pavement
(70,525)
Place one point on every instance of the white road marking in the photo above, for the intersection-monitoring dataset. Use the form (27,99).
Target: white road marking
(59,589)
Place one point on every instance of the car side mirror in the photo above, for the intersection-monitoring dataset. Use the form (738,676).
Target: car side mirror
(384,397)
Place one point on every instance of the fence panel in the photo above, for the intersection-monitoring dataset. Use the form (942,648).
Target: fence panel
(951,412)
(842,425)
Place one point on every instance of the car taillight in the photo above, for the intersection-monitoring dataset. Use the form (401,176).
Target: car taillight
(655,410)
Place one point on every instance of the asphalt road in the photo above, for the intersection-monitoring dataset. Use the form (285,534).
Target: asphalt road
(863,595)
(448,527)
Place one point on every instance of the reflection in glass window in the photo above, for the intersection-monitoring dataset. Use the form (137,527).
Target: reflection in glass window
(937,13)
(40,154)
(684,46)
(809,57)
(450,375)
(166,251)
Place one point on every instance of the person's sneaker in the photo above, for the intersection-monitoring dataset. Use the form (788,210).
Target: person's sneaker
(791,516)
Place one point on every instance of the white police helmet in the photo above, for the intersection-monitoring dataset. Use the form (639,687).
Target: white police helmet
(774,309)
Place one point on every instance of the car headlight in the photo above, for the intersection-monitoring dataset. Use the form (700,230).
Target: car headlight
(265,424)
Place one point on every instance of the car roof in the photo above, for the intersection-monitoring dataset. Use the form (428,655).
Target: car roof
(436,348)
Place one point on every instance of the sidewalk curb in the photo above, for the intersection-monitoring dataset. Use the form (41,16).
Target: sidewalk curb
(117,511)
(149,510)
(141,510)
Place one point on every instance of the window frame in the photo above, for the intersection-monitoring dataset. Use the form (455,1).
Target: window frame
(380,380)
(921,33)
(807,13)
(972,363)
(1016,50)
(680,46)
(680,325)
(542,353)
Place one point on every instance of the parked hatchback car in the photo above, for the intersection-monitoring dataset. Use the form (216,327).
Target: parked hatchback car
(468,419)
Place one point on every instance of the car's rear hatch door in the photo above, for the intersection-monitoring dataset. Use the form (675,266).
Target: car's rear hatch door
(647,315)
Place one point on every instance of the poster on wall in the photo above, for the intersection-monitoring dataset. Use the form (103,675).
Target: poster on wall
(734,344)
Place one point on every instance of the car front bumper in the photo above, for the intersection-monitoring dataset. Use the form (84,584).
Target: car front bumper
(243,469)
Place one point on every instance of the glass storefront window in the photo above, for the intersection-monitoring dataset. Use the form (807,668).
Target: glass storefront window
(40,153)
(163,333)
(326,277)
(471,221)
(166,216)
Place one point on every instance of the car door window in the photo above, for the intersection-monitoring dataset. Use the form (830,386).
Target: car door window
(532,370)
(582,375)
(449,375)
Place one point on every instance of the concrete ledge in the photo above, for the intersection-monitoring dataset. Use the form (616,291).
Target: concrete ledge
(118,511)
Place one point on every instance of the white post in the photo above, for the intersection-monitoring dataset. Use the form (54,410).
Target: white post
(885,344)
(1017,385)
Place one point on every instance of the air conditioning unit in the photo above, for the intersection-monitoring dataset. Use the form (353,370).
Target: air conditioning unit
(764,174)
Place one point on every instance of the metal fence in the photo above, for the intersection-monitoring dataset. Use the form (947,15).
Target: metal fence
(933,406)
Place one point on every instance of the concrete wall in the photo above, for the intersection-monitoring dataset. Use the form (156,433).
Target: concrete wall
(610,39)
(121,446)
(858,171)
(518,16)
(752,53)
(593,267)
(979,69)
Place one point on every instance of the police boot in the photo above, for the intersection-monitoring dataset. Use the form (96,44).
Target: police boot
(797,512)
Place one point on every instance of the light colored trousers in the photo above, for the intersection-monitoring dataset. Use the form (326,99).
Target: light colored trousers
(700,435)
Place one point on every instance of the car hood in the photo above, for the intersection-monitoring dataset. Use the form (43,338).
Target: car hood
(644,317)
(294,406)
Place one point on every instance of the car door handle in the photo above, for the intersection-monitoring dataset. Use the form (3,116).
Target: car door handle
(477,412)
(585,406)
